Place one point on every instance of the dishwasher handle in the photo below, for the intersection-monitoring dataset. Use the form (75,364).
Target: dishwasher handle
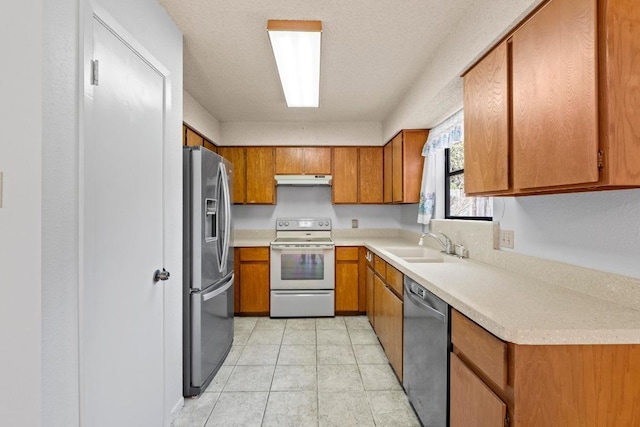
(431,312)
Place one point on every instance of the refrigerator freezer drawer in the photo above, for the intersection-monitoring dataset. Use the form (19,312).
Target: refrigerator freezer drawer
(302,303)
(212,332)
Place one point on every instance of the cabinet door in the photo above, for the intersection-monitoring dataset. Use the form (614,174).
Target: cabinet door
(395,280)
(396,172)
(254,280)
(555,115)
(345,175)
(317,160)
(486,124)
(370,174)
(412,164)
(289,160)
(369,295)
(260,168)
(236,155)
(393,315)
(210,146)
(254,287)
(472,403)
(388,174)
(347,279)
(379,315)
(193,139)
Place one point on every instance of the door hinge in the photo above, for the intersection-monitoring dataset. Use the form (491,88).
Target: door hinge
(95,64)
(600,160)
(506,421)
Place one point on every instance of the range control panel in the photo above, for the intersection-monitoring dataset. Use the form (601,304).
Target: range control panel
(303,224)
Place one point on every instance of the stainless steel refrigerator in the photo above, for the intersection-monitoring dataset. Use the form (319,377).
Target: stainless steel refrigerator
(208,267)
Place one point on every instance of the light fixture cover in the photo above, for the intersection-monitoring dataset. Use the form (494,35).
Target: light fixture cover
(296,48)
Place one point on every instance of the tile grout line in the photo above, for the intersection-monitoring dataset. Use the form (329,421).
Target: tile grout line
(233,368)
(264,411)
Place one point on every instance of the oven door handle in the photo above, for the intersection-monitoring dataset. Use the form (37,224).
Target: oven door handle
(319,247)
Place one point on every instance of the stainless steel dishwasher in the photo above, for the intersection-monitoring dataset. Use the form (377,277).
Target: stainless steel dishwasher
(427,342)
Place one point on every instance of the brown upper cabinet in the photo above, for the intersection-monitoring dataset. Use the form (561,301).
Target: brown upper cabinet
(260,183)
(357,175)
(549,110)
(252,174)
(344,187)
(403,164)
(237,156)
(486,124)
(370,174)
(191,138)
(303,160)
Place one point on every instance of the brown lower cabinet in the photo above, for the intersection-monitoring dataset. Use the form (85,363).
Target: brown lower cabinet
(387,313)
(347,280)
(252,281)
(472,401)
(540,385)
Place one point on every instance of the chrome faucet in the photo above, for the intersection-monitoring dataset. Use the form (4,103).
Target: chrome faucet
(447,244)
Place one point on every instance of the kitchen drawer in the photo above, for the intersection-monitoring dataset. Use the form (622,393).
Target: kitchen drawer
(254,254)
(395,280)
(483,351)
(471,399)
(347,254)
(380,266)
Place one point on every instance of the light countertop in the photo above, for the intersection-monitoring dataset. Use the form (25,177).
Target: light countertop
(514,307)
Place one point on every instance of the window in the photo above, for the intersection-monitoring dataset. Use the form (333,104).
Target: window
(457,205)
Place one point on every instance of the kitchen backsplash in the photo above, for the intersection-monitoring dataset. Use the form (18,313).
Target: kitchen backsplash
(315,202)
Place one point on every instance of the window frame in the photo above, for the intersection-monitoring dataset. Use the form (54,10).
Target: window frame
(447,193)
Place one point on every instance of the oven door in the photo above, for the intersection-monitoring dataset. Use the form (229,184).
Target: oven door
(302,267)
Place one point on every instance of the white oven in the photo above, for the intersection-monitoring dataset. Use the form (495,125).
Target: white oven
(302,269)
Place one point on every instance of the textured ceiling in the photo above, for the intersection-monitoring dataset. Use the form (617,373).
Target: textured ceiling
(372,52)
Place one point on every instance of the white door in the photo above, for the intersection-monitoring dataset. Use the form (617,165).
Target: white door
(122,217)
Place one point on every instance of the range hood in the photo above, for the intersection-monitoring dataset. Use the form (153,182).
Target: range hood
(303,180)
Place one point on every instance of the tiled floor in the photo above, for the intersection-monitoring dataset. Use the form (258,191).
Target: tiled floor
(302,372)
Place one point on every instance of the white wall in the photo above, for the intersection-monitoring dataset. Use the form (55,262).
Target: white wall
(599,230)
(200,119)
(301,133)
(314,202)
(20,214)
(60,171)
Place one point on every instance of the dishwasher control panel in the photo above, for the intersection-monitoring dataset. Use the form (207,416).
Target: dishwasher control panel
(418,290)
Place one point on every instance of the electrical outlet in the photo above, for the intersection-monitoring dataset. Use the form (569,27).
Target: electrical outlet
(506,239)
(354,223)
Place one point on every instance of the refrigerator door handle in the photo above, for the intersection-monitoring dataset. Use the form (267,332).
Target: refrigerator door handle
(227,216)
(219,291)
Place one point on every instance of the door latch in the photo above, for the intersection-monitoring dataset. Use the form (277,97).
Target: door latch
(161,275)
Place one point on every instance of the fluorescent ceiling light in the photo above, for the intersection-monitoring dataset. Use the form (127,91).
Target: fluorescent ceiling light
(296,48)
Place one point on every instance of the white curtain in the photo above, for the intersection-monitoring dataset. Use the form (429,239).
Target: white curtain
(440,137)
